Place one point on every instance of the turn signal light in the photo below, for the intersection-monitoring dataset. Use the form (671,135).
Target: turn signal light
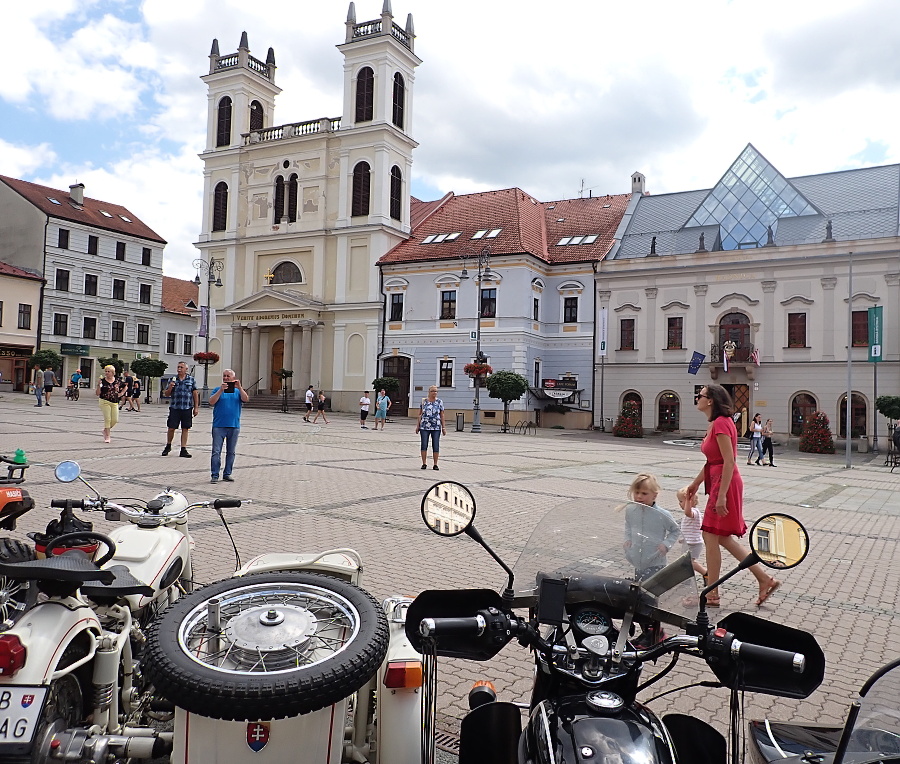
(401,674)
(12,654)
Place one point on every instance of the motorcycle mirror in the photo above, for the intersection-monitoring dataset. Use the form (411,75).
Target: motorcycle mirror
(448,508)
(67,472)
(779,541)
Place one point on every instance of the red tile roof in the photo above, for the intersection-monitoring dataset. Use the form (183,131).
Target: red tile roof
(177,293)
(11,270)
(527,226)
(90,213)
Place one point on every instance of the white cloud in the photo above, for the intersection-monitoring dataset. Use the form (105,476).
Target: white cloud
(18,160)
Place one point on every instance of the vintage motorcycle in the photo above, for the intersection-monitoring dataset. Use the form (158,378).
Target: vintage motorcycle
(118,644)
(602,603)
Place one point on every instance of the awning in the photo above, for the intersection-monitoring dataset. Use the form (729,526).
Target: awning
(541,394)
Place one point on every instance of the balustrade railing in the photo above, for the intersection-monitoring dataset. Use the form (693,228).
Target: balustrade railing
(370,28)
(227,62)
(292,130)
(741,354)
(257,65)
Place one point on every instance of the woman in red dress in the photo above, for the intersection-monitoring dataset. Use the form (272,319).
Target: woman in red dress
(723,520)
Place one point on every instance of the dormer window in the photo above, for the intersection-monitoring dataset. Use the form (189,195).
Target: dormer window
(493,233)
(105,214)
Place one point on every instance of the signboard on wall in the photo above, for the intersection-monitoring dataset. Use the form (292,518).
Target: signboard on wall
(876,328)
(66,349)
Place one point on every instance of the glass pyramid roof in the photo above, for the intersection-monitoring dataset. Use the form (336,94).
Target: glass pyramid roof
(751,196)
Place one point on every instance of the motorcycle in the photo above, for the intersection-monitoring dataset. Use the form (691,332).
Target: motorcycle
(603,604)
(120,645)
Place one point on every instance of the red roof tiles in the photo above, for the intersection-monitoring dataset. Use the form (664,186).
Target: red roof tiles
(177,293)
(90,213)
(527,226)
(11,270)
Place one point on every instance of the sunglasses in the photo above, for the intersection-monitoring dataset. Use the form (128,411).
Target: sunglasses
(698,396)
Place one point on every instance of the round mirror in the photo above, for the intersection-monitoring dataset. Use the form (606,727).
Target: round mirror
(66,472)
(448,508)
(780,541)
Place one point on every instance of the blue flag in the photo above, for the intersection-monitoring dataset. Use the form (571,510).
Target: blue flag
(696,360)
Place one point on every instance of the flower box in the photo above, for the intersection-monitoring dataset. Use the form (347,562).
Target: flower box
(206,358)
(477,369)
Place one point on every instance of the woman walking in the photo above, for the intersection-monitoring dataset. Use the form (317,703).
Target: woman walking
(110,391)
(723,520)
(320,409)
(756,436)
(430,424)
(767,442)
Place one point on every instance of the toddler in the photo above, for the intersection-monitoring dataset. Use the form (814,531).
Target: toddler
(650,532)
(691,521)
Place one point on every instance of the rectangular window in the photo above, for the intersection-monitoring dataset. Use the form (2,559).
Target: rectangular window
(90,284)
(63,240)
(171,337)
(536,309)
(445,377)
(570,310)
(143,334)
(488,303)
(537,374)
(118,331)
(62,280)
(145,256)
(24,316)
(860,328)
(626,334)
(674,333)
(93,245)
(61,324)
(448,303)
(396,307)
(188,347)
(796,330)
(120,250)
(118,289)
(145,293)
(89,328)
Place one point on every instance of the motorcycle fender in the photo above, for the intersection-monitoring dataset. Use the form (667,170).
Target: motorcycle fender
(340,564)
(154,556)
(46,631)
(695,740)
(489,734)
(777,741)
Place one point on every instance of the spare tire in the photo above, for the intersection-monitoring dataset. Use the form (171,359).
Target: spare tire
(16,596)
(286,644)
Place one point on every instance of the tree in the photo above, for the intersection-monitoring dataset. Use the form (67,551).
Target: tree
(888,406)
(388,384)
(507,386)
(104,362)
(628,425)
(816,437)
(149,368)
(46,359)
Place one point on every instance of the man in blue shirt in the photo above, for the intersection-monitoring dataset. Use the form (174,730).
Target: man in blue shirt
(226,401)
(185,405)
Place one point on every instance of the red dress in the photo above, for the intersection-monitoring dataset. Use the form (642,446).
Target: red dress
(733,523)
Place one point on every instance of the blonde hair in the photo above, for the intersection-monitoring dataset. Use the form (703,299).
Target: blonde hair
(644,480)
(108,367)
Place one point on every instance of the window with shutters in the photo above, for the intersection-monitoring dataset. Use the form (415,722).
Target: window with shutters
(220,207)
(365,94)
(223,122)
(396,193)
(399,100)
(361,189)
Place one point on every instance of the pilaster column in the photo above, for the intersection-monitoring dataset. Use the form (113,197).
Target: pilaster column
(650,330)
(253,365)
(318,332)
(245,357)
(768,337)
(288,345)
(306,356)
(700,319)
(237,349)
(265,359)
(891,307)
(828,284)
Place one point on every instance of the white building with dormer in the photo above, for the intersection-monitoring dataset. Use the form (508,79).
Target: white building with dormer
(296,214)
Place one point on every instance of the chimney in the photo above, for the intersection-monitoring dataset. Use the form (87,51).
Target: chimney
(76,193)
(638,183)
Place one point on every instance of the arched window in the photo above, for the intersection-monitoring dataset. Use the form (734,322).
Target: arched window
(802,408)
(636,399)
(365,94)
(396,192)
(256,115)
(223,123)
(287,273)
(292,198)
(669,413)
(399,100)
(736,327)
(278,207)
(361,184)
(858,425)
(220,207)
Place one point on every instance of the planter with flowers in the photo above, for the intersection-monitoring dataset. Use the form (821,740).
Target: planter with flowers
(206,358)
(478,372)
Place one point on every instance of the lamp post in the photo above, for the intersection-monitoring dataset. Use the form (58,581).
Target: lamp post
(212,268)
(482,262)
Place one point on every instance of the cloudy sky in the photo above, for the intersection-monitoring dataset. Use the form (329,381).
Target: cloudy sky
(553,97)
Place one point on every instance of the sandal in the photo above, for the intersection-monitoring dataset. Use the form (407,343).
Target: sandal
(713,601)
(774,583)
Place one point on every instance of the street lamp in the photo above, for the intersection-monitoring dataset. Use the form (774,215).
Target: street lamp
(482,262)
(212,268)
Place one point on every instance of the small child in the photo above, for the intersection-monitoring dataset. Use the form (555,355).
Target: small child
(650,532)
(690,529)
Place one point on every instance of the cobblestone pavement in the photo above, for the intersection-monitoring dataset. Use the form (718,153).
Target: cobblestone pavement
(322,486)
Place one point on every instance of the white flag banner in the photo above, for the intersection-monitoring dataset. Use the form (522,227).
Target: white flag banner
(604,328)
(212,322)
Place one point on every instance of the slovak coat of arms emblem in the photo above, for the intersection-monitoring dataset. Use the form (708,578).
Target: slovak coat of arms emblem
(257,735)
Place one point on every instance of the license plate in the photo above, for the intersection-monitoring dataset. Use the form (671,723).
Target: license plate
(20,709)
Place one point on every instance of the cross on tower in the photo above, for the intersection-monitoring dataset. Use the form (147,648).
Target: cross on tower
(268,277)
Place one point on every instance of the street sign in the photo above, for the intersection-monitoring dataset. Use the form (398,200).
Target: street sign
(876,340)
(601,335)
(473,335)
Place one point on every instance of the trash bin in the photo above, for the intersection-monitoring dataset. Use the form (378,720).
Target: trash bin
(460,421)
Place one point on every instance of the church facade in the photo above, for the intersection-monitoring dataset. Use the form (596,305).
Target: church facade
(297,214)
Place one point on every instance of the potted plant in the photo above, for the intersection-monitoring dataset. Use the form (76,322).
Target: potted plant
(477,370)
(206,358)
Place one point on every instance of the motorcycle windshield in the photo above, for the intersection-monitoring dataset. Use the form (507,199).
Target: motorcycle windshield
(601,546)
(876,732)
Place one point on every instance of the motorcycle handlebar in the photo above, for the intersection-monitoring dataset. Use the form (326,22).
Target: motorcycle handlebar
(783,659)
(434,627)
(64,503)
(226,503)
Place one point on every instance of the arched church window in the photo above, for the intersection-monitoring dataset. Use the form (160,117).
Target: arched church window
(223,122)
(361,186)
(399,100)
(365,94)
(220,207)
(735,327)
(292,198)
(256,115)
(287,273)
(278,207)
(396,192)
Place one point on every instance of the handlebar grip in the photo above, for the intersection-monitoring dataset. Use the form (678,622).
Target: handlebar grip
(63,503)
(776,658)
(434,627)
(226,503)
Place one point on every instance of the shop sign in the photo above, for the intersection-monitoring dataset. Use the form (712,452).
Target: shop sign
(557,393)
(567,383)
(66,349)
(14,352)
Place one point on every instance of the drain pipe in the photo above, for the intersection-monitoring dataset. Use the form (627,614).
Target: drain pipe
(594,357)
(383,318)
